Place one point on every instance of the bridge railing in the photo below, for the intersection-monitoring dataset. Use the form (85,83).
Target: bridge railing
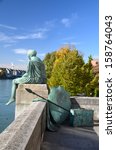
(11,73)
(14,67)
(27,130)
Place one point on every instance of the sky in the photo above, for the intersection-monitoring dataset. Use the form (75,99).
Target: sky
(46,26)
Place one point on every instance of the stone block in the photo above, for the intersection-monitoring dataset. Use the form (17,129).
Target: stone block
(87,103)
(24,98)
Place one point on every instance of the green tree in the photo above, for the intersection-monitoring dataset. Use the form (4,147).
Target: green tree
(49,61)
(2,73)
(92,88)
(91,80)
(67,70)
(87,74)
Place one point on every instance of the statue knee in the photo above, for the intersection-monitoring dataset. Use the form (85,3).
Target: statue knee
(16,81)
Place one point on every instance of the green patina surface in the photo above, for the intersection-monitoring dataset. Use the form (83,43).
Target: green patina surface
(58,107)
(35,74)
(60,97)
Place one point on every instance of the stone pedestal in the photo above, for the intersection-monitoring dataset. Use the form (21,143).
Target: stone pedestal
(24,98)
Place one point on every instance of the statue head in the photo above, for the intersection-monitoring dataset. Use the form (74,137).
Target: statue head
(31,53)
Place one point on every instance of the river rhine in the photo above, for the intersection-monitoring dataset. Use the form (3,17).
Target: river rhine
(6,112)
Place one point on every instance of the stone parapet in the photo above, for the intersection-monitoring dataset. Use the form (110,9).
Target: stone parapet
(87,103)
(27,130)
(24,98)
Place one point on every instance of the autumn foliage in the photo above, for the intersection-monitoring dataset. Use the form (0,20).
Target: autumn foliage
(67,68)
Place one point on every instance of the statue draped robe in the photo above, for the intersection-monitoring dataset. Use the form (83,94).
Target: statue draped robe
(35,73)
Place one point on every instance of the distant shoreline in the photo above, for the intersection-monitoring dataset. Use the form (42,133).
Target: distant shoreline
(9,78)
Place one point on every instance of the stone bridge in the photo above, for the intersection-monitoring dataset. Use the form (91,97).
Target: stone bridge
(27,131)
(10,73)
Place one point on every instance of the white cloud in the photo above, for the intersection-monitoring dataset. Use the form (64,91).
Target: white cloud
(21,51)
(38,35)
(21,37)
(66,22)
(24,51)
(8,27)
(11,38)
(69,20)
(6,38)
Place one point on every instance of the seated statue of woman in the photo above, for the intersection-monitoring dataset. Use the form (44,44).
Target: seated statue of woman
(35,74)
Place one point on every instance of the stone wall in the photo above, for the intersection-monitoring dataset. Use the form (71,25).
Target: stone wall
(24,98)
(26,132)
(87,103)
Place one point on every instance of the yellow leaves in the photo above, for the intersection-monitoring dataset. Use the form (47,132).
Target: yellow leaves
(62,52)
(61,56)
(67,68)
(57,62)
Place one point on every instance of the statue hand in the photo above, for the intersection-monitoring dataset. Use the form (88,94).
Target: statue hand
(35,100)
(10,101)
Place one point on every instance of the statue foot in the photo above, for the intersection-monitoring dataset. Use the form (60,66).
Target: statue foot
(10,101)
(38,99)
(35,100)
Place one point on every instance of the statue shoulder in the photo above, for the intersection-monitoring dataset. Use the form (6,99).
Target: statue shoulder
(35,59)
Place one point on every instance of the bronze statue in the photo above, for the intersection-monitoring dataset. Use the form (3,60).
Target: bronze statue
(35,74)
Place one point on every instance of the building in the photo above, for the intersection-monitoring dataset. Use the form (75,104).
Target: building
(95,65)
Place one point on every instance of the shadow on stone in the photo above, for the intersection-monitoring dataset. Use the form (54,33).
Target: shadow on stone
(70,138)
(74,103)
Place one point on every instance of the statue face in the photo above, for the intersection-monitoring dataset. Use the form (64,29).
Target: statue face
(31,53)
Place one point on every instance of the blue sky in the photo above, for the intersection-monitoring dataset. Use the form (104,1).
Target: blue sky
(47,25)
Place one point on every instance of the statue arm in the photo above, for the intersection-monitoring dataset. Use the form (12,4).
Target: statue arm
(25,75)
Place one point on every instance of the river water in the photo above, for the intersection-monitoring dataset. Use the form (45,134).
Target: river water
(6,112)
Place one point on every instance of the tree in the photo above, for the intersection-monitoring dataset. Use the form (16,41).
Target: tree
(49,61)
(2,73)
(92,88)
(66,70)
(91,80)
(87,74)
